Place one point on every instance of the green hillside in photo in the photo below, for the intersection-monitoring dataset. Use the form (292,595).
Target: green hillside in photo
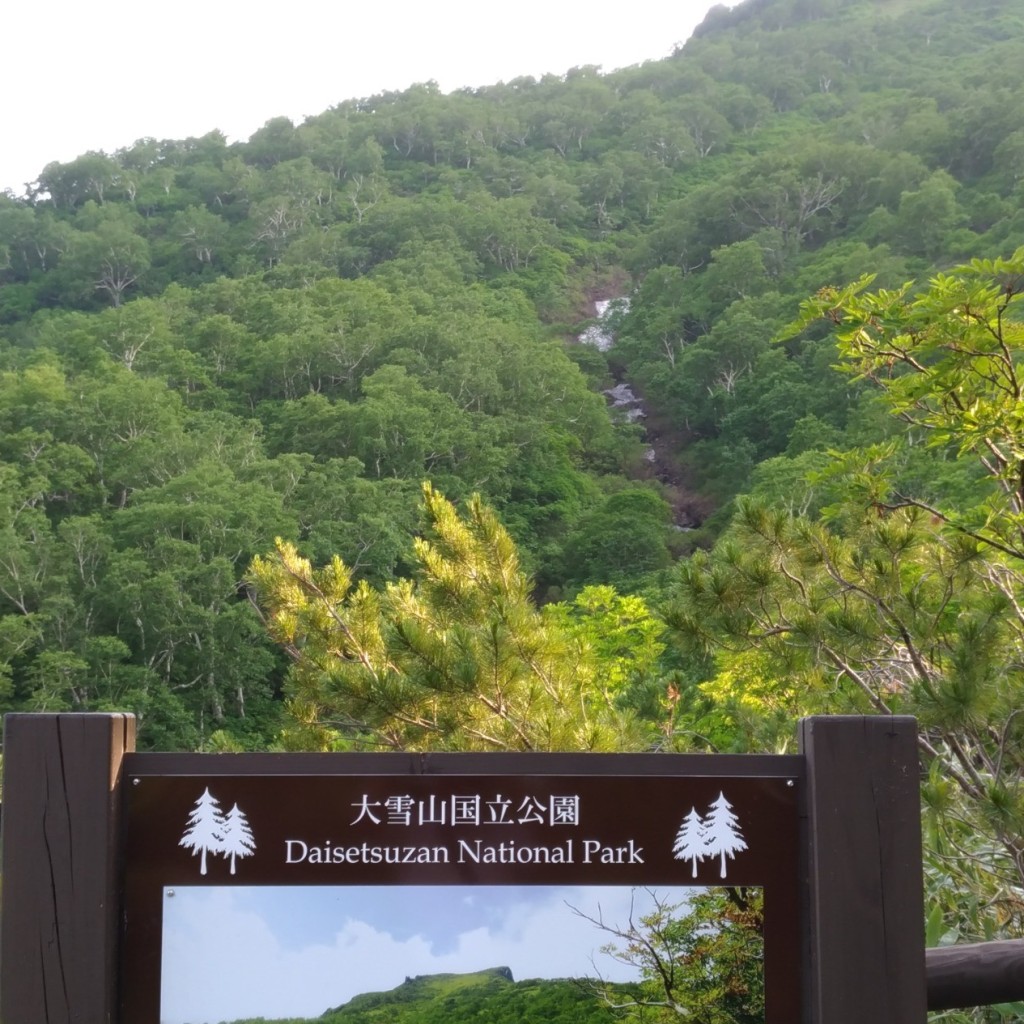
(491,995)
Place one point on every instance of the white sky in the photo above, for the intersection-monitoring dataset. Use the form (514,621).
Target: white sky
(80,77)
(250,951)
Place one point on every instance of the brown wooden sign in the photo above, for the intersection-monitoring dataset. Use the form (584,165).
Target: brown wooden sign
(458,830)
(557,823)
(134,882)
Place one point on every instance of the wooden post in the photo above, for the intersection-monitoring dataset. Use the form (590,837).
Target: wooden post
(59,910)
(866,891)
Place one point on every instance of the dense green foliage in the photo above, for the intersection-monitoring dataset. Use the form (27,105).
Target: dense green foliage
(204,347)
(905,595)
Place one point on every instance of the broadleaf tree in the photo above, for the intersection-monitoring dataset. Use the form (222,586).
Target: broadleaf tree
(892,600)
(699,957)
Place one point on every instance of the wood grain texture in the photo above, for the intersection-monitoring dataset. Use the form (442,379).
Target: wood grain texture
(975,974)
(59,912)
(866,902)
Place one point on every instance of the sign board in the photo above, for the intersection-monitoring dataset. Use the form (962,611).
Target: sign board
(572,842)
(139,888)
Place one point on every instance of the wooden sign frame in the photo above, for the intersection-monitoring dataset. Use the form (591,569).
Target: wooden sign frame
(852,914)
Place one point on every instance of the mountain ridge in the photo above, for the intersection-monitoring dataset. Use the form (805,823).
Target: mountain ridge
(490,994)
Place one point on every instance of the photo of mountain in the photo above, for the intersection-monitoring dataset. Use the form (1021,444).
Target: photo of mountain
(492,995)
(425,954)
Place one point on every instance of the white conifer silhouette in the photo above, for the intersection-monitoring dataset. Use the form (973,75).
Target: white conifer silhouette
(722,836)
(689,844)
(205,831)
(237,840)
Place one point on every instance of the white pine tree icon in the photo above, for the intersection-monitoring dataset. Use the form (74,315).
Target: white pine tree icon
(689,844)
(722,836)
(205,831)
(237,836)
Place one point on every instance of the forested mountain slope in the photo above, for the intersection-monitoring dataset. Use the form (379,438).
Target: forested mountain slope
(205,346)
(359,335)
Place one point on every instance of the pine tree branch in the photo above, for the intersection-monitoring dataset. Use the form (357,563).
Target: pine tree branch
(906,502)
(855,677)
(923,673)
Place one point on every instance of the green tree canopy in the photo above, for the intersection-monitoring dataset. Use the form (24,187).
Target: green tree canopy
(889,602)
